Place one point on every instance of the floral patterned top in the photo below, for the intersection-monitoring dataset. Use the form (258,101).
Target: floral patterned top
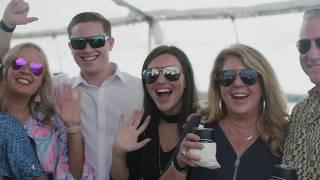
(51,146)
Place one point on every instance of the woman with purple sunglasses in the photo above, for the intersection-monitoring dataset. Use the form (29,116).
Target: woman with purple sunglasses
(27,95)
(54,128)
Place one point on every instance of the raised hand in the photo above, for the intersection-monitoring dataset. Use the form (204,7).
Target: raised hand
(127,137)
(67,105)
(16,13)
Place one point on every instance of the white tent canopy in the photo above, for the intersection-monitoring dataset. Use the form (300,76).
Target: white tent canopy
(139,11)
(200,28)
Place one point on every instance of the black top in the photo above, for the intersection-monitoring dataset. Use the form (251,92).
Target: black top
(145,163)
(256,163)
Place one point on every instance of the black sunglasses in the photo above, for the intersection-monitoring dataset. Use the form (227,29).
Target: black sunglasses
(304,45)
(94,41)
(171,73)
(248,76)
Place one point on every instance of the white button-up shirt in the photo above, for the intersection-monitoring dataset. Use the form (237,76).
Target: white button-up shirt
(101,108)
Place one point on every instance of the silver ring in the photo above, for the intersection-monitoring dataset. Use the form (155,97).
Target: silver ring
(183,152)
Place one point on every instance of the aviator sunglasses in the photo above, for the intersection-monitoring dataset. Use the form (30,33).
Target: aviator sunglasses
(304,45)
(171,73)
(36,68)
(248,76)
(94,41)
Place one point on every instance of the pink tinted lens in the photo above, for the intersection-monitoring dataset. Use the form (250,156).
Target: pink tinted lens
(19,63)
(36,68)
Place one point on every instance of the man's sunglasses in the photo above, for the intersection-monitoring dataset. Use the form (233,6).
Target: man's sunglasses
(171,73)
(304,45)
(36,68)
(248,76)
(94,41)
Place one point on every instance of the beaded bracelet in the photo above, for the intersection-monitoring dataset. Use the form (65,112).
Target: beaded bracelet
(74,129)
(5,27)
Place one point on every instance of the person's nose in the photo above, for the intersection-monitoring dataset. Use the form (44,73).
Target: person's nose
(314,52)
(88,47)
(26,69)
(238,82)
(161,78)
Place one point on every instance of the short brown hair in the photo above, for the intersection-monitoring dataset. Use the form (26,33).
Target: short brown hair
(90,17)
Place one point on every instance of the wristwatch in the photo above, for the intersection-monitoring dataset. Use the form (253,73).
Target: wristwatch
(5,27)
(175,164)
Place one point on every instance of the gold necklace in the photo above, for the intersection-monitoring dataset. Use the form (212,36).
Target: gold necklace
(236,134)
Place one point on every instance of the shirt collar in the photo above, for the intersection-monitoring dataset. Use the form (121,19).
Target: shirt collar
(117,74)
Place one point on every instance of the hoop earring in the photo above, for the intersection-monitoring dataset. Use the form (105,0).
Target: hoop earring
(263,105)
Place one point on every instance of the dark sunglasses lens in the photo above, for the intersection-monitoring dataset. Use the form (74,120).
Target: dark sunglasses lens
(36,68)
(249,76)
(304,45)
(171,73)
(78,43)
(226,77)
(318,42)
(97,41)
(150,75)
(18,63)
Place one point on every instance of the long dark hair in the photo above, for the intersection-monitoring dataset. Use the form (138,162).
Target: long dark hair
(189,97)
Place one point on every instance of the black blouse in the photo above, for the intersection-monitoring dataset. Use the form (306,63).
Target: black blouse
(149,162)
(256,163)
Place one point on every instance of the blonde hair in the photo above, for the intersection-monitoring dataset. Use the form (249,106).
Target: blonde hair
(273,121)
(45,89)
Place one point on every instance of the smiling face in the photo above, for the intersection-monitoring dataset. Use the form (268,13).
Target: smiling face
(238,97)
(92,61)
(22,82)
(167,95)
(310,61)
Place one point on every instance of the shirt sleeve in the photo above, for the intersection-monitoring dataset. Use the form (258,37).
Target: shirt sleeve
(62,171)
(21,155)
(194,122)
(132,164)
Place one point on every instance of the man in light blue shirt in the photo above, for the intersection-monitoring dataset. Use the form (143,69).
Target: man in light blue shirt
(105,91)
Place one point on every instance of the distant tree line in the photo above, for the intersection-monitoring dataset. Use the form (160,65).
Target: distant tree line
(291,97)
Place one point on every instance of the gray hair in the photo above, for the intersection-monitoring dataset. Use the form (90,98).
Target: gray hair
(313,13)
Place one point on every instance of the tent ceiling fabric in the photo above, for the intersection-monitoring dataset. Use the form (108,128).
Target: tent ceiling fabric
(55,15)
(192,25)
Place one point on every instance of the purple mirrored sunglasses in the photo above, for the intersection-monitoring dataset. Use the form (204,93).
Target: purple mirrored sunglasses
(36,68)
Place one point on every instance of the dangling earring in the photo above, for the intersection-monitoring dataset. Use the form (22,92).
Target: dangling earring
(220,105)
(263,105)
(37,99)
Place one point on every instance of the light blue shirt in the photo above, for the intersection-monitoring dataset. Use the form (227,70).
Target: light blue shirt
(101,108)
